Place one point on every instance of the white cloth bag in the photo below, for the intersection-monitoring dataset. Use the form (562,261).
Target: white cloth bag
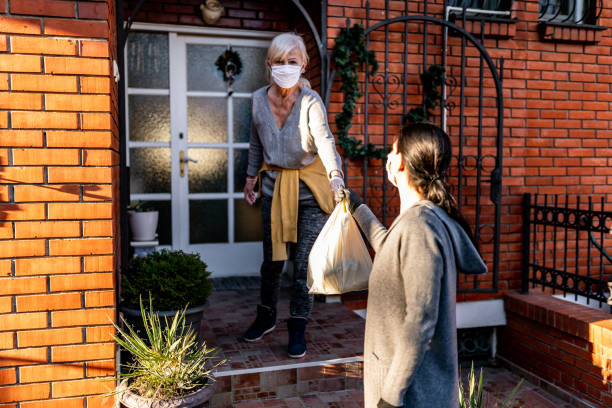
(339,261)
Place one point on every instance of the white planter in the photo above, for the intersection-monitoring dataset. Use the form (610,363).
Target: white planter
(130,400)
(143,225)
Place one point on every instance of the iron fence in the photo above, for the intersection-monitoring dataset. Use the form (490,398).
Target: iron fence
(564,246)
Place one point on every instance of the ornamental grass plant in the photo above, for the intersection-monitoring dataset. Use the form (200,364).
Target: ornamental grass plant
(475,398)
(169,362)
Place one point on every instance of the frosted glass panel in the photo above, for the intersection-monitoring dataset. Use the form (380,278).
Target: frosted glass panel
(247,221)
(147,60)
(207,120)
(209,174)
(207,221)
(202,73)
(242,120)
(149,118)
(241,161)
(149,170)
(253,74)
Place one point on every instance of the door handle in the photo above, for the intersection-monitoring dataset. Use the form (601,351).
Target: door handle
(184,159)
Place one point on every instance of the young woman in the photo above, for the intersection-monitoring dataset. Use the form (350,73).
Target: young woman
(293,154)
(410,353)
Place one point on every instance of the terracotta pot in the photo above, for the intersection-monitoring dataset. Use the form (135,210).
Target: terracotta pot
(128,399)
(143,225)
(211,11)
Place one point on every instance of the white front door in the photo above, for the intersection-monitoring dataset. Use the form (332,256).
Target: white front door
(188,143)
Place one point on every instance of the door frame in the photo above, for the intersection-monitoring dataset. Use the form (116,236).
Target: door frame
(178,38)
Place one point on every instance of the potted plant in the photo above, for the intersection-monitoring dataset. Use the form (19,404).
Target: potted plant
(168,368)
(174,280)
(143,221)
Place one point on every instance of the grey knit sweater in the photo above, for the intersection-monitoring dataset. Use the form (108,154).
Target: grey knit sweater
(304,134)
(410,352)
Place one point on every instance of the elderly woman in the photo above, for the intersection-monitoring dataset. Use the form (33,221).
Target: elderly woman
(293,155)
(410,352)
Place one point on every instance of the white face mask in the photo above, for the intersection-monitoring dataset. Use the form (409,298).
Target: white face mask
(286,76)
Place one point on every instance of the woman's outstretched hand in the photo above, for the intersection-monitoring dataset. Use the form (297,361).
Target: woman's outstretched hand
(336,183)
(353,199)
(249,190)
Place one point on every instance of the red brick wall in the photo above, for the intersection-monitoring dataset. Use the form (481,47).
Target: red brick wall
(557,133)
(58,202)
(567,345)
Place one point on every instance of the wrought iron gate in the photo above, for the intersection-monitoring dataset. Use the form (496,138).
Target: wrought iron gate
(470,110)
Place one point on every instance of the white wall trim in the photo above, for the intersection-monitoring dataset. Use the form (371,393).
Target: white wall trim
(209,31)
(482,313)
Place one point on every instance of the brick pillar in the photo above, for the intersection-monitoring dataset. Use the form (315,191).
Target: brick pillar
(58,202)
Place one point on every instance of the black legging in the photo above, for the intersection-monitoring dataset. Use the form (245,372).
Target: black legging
(310,222)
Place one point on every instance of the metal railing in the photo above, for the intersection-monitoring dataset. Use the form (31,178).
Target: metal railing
(570,12)
(564,246)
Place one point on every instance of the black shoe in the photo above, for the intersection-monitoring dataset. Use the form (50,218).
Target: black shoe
(297,340)
(264,323)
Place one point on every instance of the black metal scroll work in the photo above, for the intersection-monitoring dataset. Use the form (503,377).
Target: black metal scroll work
(549,224)
(393,84)
(570,13)
(451,85)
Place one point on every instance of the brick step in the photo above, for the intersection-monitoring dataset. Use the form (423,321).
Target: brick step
(287,381)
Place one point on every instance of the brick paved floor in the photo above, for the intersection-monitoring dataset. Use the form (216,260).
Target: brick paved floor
(332,332)
(498,385)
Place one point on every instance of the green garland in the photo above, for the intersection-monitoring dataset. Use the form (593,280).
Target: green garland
(432,81)
(349,54)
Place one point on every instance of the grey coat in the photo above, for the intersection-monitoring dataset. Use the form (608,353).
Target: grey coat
(410,353)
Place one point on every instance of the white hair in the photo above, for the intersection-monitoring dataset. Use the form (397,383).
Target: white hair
(283,44)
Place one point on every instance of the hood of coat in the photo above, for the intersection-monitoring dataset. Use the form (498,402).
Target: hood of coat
(467,258)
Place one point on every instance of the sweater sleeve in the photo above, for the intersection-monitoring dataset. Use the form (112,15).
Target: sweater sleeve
(422,268)
(255,150)
(371,227)
(323,138)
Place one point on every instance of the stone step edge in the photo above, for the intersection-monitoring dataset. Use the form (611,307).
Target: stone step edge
(282,367)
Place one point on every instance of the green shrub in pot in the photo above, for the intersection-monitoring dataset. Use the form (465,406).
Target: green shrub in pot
(173,279)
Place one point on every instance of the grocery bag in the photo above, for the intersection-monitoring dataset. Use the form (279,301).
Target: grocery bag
(339,261)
